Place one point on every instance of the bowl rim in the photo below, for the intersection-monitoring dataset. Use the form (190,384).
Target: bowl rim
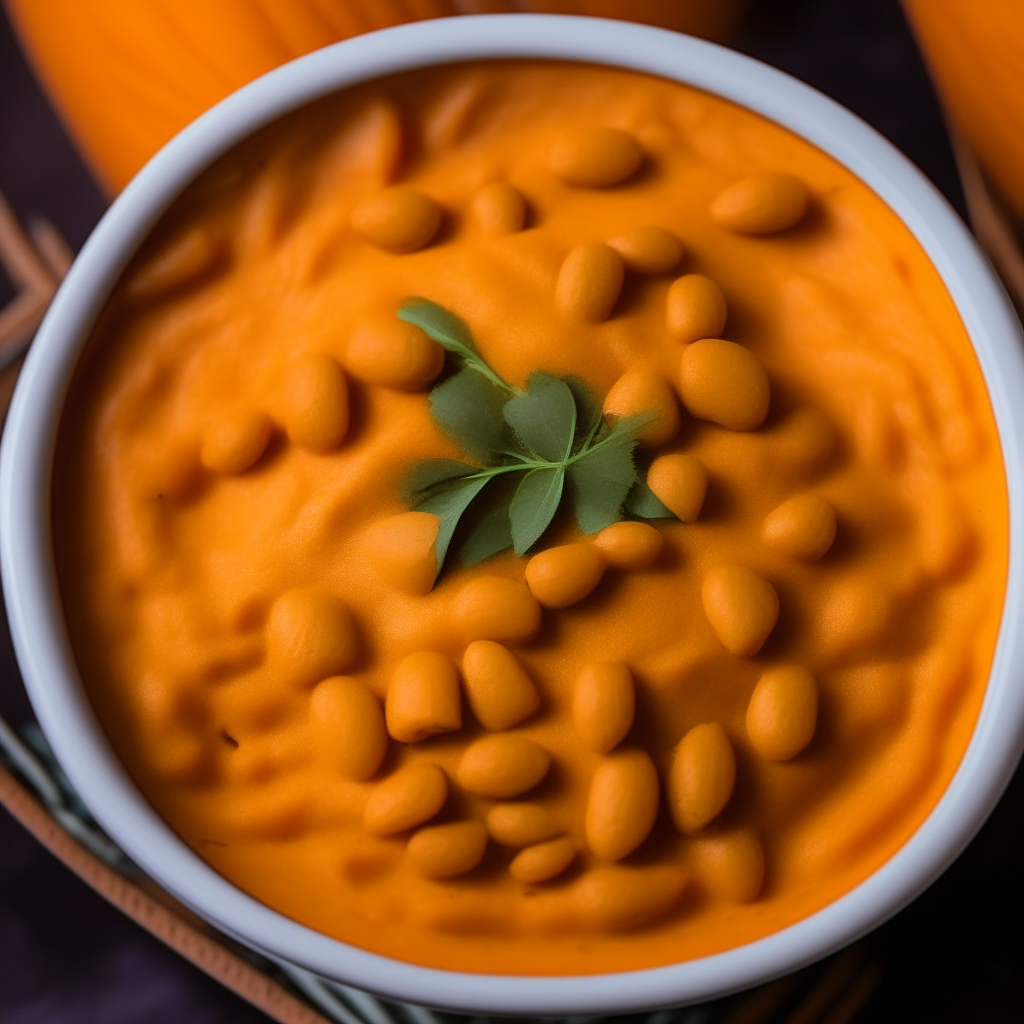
(34,606)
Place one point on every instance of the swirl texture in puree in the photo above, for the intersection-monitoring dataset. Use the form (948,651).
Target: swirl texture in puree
(703,729)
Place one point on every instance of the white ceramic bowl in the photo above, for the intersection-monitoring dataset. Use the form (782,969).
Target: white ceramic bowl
(34,606)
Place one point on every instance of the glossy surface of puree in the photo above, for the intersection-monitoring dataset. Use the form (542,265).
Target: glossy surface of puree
(659,781)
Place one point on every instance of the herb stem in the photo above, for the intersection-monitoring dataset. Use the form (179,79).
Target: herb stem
(590,437)
(486,372)
(523,465)
(536,432)
(585,451)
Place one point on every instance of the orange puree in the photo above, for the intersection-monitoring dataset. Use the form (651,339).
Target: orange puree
(701,729)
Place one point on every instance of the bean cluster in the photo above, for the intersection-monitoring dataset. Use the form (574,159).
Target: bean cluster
(311,634)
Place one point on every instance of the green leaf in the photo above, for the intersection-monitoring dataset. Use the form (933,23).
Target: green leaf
(493,533)
(589,418)
(450,502)
(444,327)
(534,505)
(645,504)
(529,441)
(632,425)
(428,473)
(450,333)
(588,408)
(469,408)
(544,417)
(600,480)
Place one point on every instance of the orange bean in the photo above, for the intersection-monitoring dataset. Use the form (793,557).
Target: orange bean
(589,282)
(644,391)
(393,354)
(501,692)
(741,606)
(423,698)
(499,209)
(399,219)
(614,898)
(649,250)
(315,402)
(603,705)
(401,549)
(783,712)
(761,204)
(349,727)
(702,777)
(408,798)
(724,383)
(622,804)
(494,608)
(629,545)
(502,766)
(596,157)
(311,635)
(521,824)
(561,576)
(444,851)
(802,527)
(235,442)
(680,483)
(543,861)
(730,864)
(695,308)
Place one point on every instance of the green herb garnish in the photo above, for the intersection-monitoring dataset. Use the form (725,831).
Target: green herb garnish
(532,447)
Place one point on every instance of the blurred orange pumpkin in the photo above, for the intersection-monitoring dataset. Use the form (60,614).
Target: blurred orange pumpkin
(126,75)
(975,51)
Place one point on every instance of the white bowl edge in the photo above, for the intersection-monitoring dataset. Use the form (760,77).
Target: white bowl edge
(36,615)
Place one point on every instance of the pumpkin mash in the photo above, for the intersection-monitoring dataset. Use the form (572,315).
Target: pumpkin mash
(695,724)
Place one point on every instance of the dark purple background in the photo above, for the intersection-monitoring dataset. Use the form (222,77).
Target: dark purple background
(67,957)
